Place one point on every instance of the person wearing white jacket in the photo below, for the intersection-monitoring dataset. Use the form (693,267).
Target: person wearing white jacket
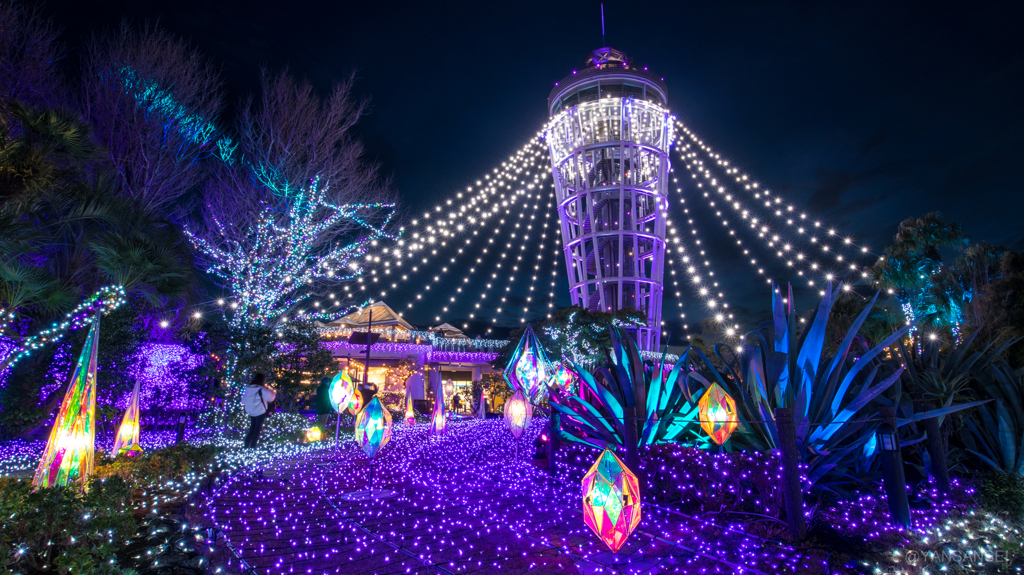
(255,400)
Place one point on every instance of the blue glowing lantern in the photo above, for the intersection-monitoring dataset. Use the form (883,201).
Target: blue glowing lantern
(373,427)
(341,391)
(528,370)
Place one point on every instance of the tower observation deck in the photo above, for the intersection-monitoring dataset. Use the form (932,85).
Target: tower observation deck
(609,138)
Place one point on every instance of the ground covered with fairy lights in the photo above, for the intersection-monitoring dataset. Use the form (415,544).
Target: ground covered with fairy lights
(471,501)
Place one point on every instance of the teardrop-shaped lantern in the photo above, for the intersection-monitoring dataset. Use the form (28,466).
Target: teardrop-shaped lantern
(373,427)
(518,413)
(718,414)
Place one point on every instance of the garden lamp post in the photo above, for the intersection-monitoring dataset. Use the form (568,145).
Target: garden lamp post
(892,468)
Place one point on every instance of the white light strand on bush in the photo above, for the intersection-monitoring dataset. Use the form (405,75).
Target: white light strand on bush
(798,224)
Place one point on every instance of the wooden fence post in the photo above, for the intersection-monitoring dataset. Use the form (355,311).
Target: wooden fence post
(794,496)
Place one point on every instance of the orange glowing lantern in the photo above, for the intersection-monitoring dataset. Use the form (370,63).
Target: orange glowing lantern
(718,414)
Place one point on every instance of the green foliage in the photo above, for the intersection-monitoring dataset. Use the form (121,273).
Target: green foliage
(151,468)
(63,530)
(300,359)
(994,434)
(1002,493)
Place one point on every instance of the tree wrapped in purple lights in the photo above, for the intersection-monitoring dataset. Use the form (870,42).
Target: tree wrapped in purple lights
(528,368)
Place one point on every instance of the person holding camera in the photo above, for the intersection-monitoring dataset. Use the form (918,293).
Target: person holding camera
(258,401)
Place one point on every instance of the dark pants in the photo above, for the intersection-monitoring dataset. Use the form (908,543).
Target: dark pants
(255,425)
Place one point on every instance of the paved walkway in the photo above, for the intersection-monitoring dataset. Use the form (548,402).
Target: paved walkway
(467,502)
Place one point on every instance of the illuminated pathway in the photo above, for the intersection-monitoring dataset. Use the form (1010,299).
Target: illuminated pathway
(466,502)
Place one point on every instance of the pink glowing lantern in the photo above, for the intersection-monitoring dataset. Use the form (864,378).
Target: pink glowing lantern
(528,368)
(611,500)
(438,418)
(518,413)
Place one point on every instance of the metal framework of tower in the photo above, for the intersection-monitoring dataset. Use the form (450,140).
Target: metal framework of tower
(609,139)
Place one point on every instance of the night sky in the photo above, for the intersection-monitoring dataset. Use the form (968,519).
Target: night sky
(866,113)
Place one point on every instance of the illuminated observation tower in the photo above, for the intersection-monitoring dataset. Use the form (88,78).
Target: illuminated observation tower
(609,138)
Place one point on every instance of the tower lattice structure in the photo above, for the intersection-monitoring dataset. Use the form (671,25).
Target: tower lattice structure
(609,138)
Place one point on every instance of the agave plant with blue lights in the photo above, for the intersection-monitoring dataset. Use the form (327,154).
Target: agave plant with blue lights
(627,403)
(834,398)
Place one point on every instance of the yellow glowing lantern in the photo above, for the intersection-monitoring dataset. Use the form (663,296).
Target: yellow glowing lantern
(313,434)
(718,414)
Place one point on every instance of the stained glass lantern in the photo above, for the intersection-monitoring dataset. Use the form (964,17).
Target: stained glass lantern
(313,434)
(68,455)
(564,378)
(356,402)
(518,413)
(718,414)
(410,415)
(126,442)
(341,391)
(611,500)
(528,370)
(373,427)
(437,416)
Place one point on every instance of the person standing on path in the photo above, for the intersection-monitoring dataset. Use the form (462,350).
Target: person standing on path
(324,409)
(256,399)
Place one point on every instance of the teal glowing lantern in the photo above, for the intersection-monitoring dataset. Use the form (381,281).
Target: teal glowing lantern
(341,391)
(373,427)
(564,379)
(528,368)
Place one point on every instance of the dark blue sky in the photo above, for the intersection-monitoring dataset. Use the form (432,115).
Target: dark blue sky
(864,112)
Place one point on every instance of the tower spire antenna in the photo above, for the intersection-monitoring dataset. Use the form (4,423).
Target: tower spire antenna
(602,24)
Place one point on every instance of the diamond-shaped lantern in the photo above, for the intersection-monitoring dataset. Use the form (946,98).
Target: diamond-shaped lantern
(449,388)
(373,427)
(564,378)
(611,500)
(518,413)
(528,369)
(718,414)
(341,391)
(437,416)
